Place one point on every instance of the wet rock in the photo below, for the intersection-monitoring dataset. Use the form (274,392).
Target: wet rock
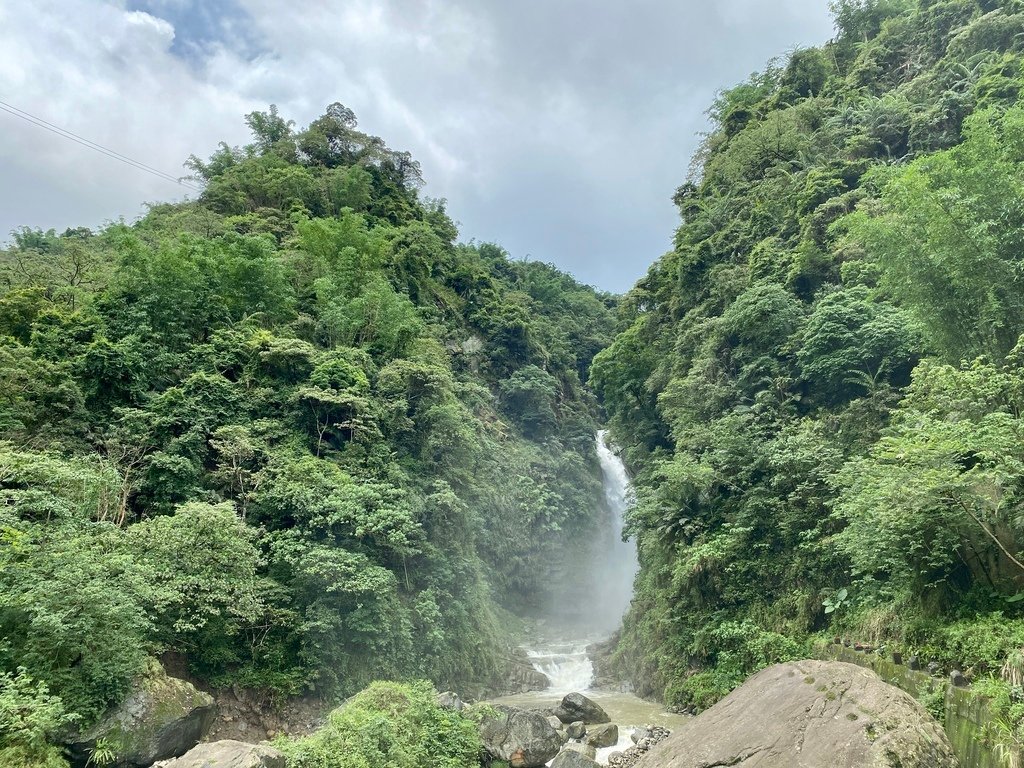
(576,730)
(162,717)
(813,713)
(520,675)
(956,677)
(605,735)
(639,734)
(227,754)
(914,663)
(569,758)
(522,739)
(576,706)
(897,657)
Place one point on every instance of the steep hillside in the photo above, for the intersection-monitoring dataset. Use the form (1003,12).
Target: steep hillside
(291,431)
(820,386)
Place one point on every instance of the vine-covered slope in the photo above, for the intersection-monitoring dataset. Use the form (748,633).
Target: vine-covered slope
(820,387)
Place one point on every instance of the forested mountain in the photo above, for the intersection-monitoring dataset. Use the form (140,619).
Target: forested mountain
(820,387)
(291,431)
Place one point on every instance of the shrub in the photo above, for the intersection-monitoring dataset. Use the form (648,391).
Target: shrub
(392,724)
(28,716)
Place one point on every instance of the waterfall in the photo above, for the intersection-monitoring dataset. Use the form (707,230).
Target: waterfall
(617,563)
(593,606)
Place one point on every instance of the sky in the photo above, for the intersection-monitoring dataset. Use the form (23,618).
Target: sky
(558,129)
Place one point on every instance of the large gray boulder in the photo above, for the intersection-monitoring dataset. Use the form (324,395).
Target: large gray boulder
(227,754)
(521,738)
(809,714)
(162,717)
(576,706)
(606,735)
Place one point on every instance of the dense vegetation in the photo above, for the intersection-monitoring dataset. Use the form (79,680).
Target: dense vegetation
(820,387)
(291,431)
(393,725)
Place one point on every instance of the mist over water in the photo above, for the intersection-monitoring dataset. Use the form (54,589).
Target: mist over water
(597,588)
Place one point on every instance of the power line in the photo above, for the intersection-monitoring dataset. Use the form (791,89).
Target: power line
(64,133)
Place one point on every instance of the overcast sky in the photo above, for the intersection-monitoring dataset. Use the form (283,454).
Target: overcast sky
(556,128)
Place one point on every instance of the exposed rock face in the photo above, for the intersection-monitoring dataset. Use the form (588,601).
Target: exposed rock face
(522,739)
(809,714)
(227,754)
(520,675)
(162,717)
(606,735)
(576,706)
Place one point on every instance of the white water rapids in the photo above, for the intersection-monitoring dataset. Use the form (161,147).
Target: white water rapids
(566,665)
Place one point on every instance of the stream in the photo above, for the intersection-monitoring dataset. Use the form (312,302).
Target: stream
(563,659)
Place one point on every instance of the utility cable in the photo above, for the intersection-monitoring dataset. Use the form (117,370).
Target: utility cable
(64,133)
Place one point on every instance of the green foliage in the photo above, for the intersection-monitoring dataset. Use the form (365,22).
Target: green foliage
(945,233)
(29,715)
(389,724)
(729,653)
(818,388)
(290,431)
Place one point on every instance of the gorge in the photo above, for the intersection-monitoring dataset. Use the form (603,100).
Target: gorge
(295,447)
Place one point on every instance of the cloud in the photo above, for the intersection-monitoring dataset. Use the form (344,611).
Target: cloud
(559,130)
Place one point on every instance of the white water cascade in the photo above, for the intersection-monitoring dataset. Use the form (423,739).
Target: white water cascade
(566,665)
(596,610)
(618,565)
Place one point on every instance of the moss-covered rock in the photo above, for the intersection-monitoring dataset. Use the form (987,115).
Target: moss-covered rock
(162,717)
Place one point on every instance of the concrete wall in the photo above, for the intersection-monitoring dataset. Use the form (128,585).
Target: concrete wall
(967,713)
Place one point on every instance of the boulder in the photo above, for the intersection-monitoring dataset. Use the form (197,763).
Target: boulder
(522,739)
(808,714)
(227,754)
(576,730)
(605,735)
(576,706)
(639,734)
(449,700)
(583,749)
(555,722)
(162,717)
(569,758)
